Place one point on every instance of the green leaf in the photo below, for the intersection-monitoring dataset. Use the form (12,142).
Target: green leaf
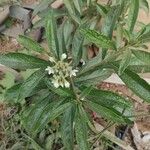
(22,61)
(67,128)
(109,24)
(142,55)
(139,68)
(42,6)
(125,61)
(139,86)
(88,2)
(38,115)
(108,112)
(108,98)
(101,9)
(110,21)
(62,43)
(119,35)
(144,34)
(78,5)
(136,65)
(70,6)
(51,35)
(12,93)
(85,92)
(77,48)
(7,81)
(68,30)
(72,11)
(133,14)
(81,131)
(144,4)
(30,44)
(98,38)
(30,83)
(95,77)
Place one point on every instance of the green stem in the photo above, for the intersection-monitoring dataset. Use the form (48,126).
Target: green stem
(74,89)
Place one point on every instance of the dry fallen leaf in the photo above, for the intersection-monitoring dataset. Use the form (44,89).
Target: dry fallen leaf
(141,140)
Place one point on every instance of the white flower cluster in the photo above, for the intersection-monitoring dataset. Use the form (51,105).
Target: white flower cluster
(60,72)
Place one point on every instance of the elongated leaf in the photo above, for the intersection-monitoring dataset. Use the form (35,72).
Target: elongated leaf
(31,114)
(68,29)
(119,35)
(109,24)
(72,11)
(108,98)
(136,65)
(77,47)
(108,112)
(22,61)
(50,113)
(43,113)
(139,86)
(95,77)
(85,92)
(139,68)
(70,6)
(125,61)
(30,84)
(110,21)
(30,44)
(12,93)
(88,2)
(51,35)
(144,34)
(81,131)
(62,43)
(133,14)
(101,9)
(142,55)
(144,4)
(42,6)
(78,5)
(67,128)
(98,38)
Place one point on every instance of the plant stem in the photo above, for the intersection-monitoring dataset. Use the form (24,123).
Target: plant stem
(74,89)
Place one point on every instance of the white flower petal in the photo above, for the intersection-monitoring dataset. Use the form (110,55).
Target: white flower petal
(61,84)
(63,56)
(55,83)
(83,62)
(50,70)
(67,84)
(73,72)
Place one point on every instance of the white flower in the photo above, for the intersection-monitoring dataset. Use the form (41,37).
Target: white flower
(73,72)
(51,59)
(61,71)
(55,81)
(67,84)
(83,62)
(50,70)
(63,56)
